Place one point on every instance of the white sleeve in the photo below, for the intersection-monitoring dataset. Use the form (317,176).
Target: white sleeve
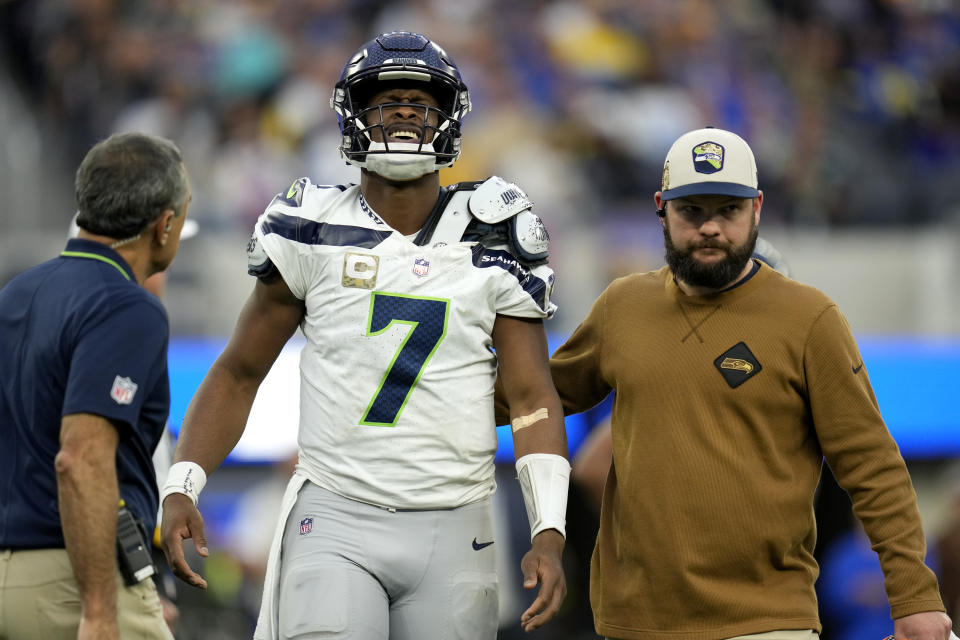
(522,290)
(525,292)
(277,231)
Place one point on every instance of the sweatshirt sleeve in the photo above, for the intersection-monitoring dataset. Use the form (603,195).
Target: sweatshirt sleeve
(576,364)
(867,462)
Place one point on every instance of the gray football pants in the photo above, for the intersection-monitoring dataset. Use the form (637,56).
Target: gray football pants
(353,571)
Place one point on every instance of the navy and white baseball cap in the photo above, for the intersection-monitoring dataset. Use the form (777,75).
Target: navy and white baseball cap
(709,162)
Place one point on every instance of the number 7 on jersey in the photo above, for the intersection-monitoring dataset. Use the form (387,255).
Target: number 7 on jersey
(427,318)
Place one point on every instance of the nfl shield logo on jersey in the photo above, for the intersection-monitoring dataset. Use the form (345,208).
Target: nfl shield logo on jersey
(123,390)
(420,267)
(306,526)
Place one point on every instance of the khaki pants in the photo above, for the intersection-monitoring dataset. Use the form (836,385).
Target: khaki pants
(781,635)
(39,600)
(777,635)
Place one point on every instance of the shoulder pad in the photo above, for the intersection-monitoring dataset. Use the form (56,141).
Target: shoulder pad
(259,263)
(496,200)
(469,185)
(528,237)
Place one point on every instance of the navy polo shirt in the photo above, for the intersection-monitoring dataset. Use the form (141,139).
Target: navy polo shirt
(77,335)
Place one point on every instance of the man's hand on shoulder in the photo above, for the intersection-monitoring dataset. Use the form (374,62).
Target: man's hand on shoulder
(543,565)
(927,625)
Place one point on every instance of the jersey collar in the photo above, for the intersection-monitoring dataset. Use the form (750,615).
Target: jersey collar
(91,250)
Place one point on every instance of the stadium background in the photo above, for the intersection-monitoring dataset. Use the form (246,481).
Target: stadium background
(852,108)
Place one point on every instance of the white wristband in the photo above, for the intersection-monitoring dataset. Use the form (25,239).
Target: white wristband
(544,479)
(187,478)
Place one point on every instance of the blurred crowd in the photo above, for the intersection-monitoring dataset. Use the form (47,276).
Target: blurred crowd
(853,106)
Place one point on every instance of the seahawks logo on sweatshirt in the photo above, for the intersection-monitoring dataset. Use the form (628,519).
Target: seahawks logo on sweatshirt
(737,365)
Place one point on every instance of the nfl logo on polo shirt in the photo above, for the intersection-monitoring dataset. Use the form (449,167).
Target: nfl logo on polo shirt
(123,390)
(306,526)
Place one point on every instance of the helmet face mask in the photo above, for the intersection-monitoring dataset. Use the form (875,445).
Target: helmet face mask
(407,61)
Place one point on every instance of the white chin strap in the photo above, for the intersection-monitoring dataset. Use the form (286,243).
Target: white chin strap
(406,164)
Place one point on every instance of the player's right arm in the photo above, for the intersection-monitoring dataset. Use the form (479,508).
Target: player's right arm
(218,411)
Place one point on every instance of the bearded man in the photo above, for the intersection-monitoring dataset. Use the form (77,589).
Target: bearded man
(733,384)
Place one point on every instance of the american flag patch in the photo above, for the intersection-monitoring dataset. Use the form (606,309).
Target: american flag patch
(306,526)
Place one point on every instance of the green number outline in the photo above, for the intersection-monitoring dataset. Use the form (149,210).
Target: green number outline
(414,324)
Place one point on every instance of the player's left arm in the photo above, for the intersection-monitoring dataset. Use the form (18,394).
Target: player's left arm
(521,346)
(540,445)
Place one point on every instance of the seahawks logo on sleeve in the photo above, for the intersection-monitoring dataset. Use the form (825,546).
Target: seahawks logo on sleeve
(259,263)
(294,194)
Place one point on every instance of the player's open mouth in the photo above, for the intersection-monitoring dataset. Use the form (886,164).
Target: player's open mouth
(403,134)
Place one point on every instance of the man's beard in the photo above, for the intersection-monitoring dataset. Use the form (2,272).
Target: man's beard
(715,275)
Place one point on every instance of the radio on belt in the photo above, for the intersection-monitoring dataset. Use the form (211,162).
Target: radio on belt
(133,557)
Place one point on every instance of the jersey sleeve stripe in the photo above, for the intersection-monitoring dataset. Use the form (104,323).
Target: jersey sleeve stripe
(321,233)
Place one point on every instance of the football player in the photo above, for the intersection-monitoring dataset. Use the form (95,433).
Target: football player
(411,296)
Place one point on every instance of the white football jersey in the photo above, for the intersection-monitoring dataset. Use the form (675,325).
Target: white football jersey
(397,374)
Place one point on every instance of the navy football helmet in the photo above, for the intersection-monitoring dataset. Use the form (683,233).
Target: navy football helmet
(414,61)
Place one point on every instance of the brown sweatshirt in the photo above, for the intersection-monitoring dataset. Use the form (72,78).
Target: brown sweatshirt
(725,407)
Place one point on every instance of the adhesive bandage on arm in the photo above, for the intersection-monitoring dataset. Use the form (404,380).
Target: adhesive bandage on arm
(544,478)
(187,478)
(521,422)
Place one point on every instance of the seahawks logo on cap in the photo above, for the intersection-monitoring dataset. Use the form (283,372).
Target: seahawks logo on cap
(708,157)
